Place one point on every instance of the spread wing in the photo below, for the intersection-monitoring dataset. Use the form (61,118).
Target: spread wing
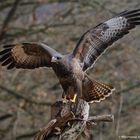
(26,55)
(96,40)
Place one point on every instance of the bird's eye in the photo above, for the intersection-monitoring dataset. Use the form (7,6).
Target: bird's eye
(58,57)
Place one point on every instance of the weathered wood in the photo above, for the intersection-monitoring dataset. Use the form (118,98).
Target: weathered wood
(82,111)
(69,121)
(104,118)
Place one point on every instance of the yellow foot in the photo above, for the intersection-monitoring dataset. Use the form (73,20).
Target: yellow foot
(64,100)
(74,98)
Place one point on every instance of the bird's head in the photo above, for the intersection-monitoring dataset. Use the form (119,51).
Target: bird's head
(61,64)
(56,59)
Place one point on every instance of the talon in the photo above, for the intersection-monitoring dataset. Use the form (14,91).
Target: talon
(65,99)
(58,131)
(74,98)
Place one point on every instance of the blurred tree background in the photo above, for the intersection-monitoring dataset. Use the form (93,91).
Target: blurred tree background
(26,95)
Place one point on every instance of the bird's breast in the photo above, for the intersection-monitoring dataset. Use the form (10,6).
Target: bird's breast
(68,72)
(77,70)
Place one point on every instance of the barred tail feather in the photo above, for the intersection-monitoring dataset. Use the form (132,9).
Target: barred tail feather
(95,91)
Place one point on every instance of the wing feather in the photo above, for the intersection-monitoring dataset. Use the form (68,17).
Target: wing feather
(27,55)
(95,91)
(96,40)
(7,61)
(11,65)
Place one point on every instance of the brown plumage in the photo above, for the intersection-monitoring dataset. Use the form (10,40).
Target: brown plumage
(94,91)
(71,68)
(26,55)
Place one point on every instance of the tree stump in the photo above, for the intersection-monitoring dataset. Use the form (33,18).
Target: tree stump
(69,121)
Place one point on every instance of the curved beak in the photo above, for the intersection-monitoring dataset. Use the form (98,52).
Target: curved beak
(54,59)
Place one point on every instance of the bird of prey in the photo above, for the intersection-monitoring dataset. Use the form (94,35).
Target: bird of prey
(71,68)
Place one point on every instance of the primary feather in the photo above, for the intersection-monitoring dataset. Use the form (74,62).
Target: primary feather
(96,40)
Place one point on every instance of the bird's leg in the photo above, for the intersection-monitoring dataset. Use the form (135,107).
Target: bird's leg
(64,99)
(74,98)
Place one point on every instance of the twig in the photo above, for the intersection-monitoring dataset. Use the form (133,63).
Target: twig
(104,118)
(129,88)
(5,116)
(8,18)
(9,4)
(9,128)
(36,29)
(21,96)
(119,114)
(27,135)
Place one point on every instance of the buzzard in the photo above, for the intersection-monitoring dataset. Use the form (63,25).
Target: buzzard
(71,68)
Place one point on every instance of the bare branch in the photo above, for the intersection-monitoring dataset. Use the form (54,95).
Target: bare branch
(104,118)
(24,136)
(5,116)
(8,18)
(9,4)
(21,96)
(129,88)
